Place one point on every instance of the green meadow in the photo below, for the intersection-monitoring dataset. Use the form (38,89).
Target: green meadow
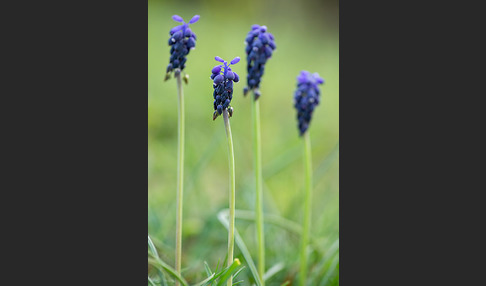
(307,38)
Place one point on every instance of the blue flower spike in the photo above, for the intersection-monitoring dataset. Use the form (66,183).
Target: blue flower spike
(182,40)
(223,78)
(306,98)
(260,46)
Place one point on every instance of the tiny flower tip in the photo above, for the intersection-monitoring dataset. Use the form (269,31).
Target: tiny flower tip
(218,79)
(263,29)
(318,79)
(230,75)
(216,70)
(177,18)
(194,19)
(254,27)
(218,59)
(235,60)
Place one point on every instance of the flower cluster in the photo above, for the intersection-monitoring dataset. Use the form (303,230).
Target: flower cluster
(259,48)
(306,98)
(181,40)
(223,79)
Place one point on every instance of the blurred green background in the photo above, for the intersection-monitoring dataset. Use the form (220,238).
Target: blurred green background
(307,38)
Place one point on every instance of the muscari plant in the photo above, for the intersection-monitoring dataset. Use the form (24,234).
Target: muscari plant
(223,78)
(260,45)
(306,98)
(181,41)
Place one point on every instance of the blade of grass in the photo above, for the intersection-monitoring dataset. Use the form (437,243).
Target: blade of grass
(154,252)
(152,247)
(157,262)
(229,272)
(326,163)
(211,277)
(330,271)
(150,281)
(273,270)
(208,270)
(238,272)
(241,245)
(279,221)
(319,269)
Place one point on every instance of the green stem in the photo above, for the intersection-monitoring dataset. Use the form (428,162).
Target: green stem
(231,231)
(257,158)
(307,208)
(180,173)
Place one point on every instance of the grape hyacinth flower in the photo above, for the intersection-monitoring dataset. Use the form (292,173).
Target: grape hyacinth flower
(306,98)
(182,40)
(223,78)
(259,48)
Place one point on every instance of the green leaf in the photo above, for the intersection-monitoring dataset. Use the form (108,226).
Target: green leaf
(157,262)
(222,217)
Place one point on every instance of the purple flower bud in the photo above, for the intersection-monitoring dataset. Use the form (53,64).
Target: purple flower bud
(264,38)
(219,59)
(268,51)
(257,43)
(177,18)
(237,78)
(175,29)
(228,85)
(226,103)
(191,43)
(235,60)
(318,79)
(187,32)
(177,35)
(194,19)
(218,79)
(272,45)
(230,75)
(216,70)
(255,26)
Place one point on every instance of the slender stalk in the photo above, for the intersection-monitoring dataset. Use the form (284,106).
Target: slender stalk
(231,230)
(257,158)
(180,173)
(307,208)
